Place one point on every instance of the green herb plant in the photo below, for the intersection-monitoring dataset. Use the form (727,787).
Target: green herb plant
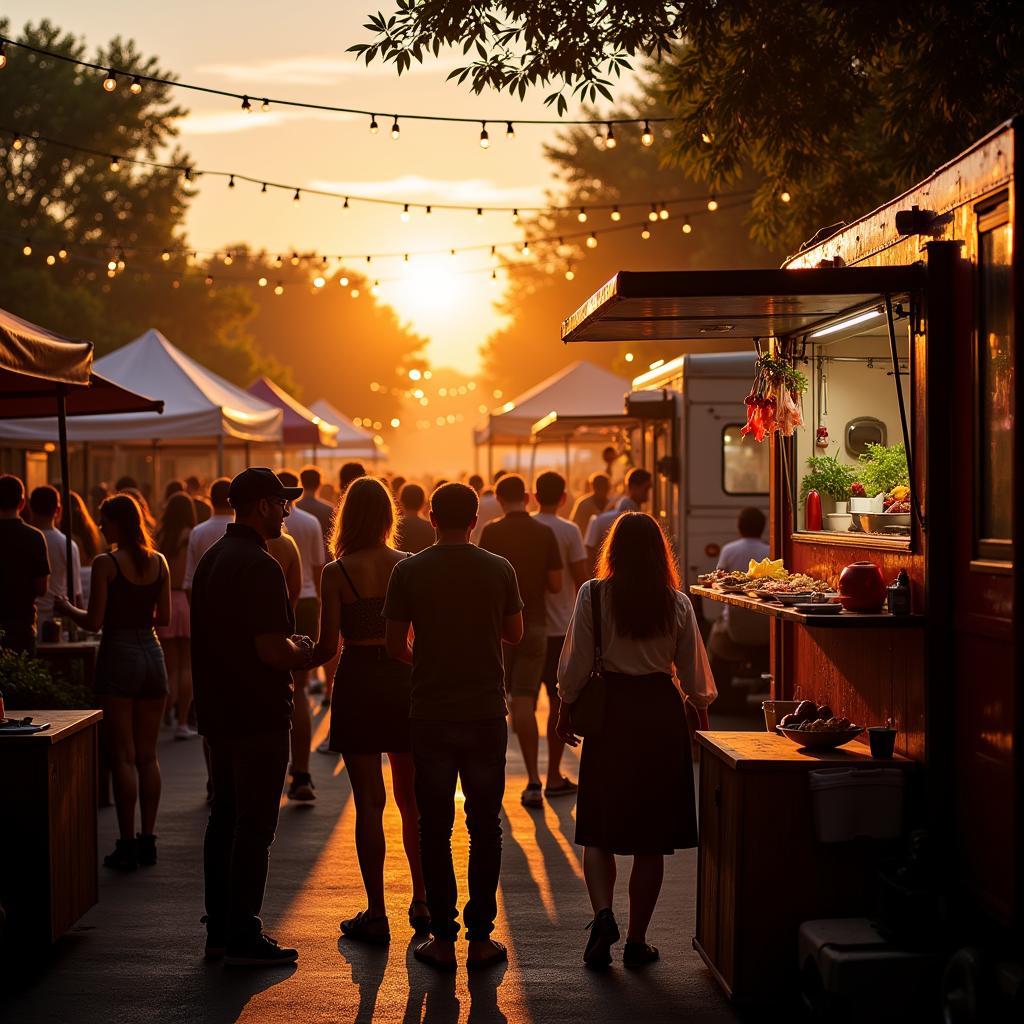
(883,467)
(828,476)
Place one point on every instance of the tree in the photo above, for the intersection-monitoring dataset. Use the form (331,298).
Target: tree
(840,105)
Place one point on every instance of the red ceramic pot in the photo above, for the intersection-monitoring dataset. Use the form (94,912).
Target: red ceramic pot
(812,511)
(862,588)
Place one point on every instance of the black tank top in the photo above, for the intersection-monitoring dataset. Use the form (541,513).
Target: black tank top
(131,605)
(361,618)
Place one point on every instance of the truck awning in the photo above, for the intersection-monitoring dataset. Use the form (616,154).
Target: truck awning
(713,304)
(581,428)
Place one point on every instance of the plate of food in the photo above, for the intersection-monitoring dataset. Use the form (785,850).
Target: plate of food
(791,599)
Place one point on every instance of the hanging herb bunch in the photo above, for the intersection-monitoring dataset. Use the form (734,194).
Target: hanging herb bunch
(774,399)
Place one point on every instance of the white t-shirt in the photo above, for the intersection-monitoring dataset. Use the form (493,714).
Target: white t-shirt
(681,648)
(304,528)
(56,548)
(200,540)
(599,526)
(489,509)
(570,546)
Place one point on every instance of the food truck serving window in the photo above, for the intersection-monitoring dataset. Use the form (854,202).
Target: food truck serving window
(993,527)
(745,464)
(851,449)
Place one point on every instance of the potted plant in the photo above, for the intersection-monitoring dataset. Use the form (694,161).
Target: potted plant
(883,467)
(829,477)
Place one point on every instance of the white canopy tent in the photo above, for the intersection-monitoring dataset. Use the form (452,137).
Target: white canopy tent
(580,389)
(199,406)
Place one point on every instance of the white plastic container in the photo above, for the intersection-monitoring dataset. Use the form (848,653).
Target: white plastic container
(867,504)
(854,803)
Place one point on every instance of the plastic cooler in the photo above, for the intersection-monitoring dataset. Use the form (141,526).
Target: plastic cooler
(854,803)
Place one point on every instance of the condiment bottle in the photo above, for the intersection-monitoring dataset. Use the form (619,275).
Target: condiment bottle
(812,511)
(898,593)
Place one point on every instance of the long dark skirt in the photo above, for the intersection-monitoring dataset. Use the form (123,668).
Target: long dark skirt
(636,775)
(370,703)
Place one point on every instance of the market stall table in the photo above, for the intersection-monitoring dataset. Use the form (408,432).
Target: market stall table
(48,806)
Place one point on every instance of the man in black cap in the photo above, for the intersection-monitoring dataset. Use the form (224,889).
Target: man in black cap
(243,653)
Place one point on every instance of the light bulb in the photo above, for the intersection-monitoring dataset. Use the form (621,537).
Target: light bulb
(494,277)
(3,54)
(50,260)
(395,130)
(592,241)
(110,82)
(165,256)
(228,259)
(115,164)
(17,142)
(279,288)
(395,421)
(318,282)
(404,215)
(428,211)
(345,206)
(63,254)
(609,138)
(616,216)
(485,139)
(295,259)
(278,262)
(354,293)
(647,138)
(263,189)
(343,281)
(246,105)
(653,214)
(262,282)
(785,196)
(515,216)
(706,138)
(629,357)
(712,204)
(136,87)
(663,213)
(645,234)
(525,250)
(582,216)
(510,132)
(687,227)
(231,181)
(265,105)
(296,197)
(375,290)
(26,249)
(570,274)
(111,264)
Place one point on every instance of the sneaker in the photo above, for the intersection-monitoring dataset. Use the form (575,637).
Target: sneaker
(146,846)
(533,795)
(301,788)
(263,951)
(184,732)
(565,787)
(216,942)
(363,928)
(325,747)
(125,856)
(604,933)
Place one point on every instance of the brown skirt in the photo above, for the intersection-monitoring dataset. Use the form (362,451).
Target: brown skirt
(636,775)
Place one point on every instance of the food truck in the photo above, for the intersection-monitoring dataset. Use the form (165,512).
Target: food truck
(885,393)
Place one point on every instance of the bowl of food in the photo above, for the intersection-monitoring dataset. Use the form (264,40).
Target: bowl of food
(790,599)
(825,738)
(882,522)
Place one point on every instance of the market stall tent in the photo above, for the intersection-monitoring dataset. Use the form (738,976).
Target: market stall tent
(300,426)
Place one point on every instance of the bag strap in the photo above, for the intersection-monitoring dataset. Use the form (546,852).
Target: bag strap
(595,611)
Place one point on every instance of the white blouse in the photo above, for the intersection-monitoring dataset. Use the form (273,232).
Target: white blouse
(681,648)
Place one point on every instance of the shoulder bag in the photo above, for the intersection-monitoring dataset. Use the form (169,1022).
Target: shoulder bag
(588,708)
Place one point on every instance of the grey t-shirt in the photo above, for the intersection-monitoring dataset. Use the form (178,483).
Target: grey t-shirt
(456,596)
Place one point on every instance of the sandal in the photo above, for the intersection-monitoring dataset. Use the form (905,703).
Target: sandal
(499,956)
(419,922)
(639,954)
(565,788)
(604,933)
(363,928)
(444,966)
(533,795)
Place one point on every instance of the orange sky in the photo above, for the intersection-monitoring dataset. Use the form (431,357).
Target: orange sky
(297,50)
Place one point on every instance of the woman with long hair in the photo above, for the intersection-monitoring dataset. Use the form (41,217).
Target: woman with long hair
(131,595)
(84,533)
(370,706)
(176,525)
(636,772)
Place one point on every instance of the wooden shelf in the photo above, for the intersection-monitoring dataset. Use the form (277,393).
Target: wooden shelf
(844,620)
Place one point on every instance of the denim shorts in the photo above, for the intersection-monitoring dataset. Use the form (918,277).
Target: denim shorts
(131,664)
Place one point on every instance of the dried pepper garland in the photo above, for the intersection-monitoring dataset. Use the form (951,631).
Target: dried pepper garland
(774,399)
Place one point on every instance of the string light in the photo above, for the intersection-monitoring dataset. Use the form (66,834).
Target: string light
(354,293)
(687,227)
(296,197)
(231,181)
(262,282)
(663,212)
(278,262)
(706,138)
(569,273)
(264,189)
(228,259)
(3,54)
(115,164)
(396,131)
(616,216)
(265,105)
(404,215)
(785,196)
(63,254)
(136,87)
(582,216)
(110,82)
(17,142)
(295,259)
(246,105)
(515,217)
(645,234)
(712,204)
(345,206)
(629,357)
(375,290)
(373,124)
(510,132)
(609,138)
(479,211)
(525,250)
(26,249)
(428,211)
(653,214)
(343,281)
(279,288)
(485,139)
(51,260)
(319,282)
(592,241)
(646,137)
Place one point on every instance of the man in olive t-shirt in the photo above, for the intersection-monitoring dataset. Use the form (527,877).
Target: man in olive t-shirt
(461,603)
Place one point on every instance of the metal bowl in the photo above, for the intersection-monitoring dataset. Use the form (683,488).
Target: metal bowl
(820,740)
(882,522)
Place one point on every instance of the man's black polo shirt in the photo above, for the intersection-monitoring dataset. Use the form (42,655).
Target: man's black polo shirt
(239,593)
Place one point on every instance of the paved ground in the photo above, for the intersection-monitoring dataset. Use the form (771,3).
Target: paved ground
(136,957)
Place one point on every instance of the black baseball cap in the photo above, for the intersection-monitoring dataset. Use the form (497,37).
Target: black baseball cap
(259,482)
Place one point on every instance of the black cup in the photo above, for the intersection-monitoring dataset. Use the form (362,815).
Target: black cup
(882,740)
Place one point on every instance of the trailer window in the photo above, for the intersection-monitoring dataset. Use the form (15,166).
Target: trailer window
(744,462)
(995,394)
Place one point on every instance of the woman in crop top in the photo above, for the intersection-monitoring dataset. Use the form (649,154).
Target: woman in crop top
(370,704)
(129,597)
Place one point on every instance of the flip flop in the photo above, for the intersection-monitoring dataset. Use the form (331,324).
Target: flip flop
(566,788)
(444,966)
(499,956)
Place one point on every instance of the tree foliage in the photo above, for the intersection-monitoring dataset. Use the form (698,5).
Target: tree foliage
(842,105)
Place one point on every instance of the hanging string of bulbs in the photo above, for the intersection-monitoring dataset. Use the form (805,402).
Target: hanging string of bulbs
(189,175)
(249,101)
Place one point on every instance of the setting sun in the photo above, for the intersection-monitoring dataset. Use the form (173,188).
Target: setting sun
(429,285)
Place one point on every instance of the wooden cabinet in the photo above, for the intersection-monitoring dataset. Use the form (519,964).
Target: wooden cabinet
(48,861)
(761,871)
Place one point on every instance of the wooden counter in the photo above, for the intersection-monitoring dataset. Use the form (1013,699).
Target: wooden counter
(761,871)
(48,860)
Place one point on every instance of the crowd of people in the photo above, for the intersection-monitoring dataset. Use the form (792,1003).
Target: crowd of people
(435,622)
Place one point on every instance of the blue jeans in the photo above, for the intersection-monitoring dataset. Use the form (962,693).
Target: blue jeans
(444,752)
